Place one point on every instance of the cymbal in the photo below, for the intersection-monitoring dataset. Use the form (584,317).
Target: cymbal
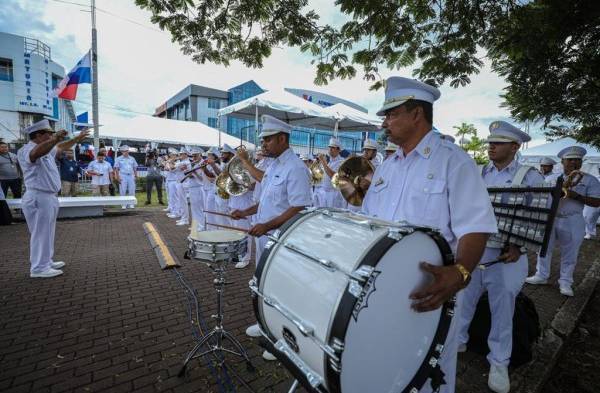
(354,178)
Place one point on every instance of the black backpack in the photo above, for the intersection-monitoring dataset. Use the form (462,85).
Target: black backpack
(526,329)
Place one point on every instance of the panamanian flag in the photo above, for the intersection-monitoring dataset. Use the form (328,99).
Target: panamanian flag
(82,73)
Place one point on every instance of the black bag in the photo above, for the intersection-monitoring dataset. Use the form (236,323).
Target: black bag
(526,329)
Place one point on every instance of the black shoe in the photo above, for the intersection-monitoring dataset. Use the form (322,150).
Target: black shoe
(161,203)
(148,202)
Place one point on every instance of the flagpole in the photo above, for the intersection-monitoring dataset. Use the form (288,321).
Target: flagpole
(95,78)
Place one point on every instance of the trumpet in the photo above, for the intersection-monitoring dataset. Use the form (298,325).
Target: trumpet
(572,180)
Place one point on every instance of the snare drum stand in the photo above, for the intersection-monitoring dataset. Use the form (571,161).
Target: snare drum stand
(218,332)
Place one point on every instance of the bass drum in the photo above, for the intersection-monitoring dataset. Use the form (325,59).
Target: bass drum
(331,296)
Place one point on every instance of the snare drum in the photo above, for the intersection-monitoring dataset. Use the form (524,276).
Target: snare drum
(217,246)
(331,295)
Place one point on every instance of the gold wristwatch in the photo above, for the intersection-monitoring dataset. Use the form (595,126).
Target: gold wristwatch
(466,275)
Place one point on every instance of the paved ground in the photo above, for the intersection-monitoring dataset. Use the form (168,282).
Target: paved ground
(116,322)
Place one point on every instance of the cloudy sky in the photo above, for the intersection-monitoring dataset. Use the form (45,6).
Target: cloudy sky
(139,66)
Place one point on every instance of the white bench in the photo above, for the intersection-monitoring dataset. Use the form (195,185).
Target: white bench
(83,206)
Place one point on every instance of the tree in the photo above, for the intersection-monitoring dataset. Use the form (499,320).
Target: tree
(474,145)
(545,49)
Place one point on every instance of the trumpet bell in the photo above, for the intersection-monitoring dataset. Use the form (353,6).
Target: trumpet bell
(353,179)
(316,172)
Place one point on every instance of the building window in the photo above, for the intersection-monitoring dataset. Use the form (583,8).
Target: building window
(212,122)
(214,103)
(6,70)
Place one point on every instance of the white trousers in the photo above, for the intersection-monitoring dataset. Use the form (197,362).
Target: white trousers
(209,205)
(590,215)
(568,232)
(40,210)
(126,185)
(184,208)
(503,282)
(239,203)
(328,198)
(174,205)
(197,207)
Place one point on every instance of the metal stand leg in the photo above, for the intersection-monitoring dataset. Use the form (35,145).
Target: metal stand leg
(218,332)
(294,386)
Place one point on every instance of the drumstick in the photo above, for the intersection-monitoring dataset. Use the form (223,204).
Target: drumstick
(484,266)
(228,227)
(218,214)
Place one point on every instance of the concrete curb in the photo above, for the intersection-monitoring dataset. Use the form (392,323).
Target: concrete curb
(165,257)
(547,351)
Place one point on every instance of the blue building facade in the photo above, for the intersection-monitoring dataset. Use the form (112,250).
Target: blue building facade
(199,103)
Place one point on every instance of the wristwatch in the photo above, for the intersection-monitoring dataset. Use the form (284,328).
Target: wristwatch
(466,275)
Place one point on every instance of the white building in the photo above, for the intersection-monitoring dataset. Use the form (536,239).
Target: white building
(27,78)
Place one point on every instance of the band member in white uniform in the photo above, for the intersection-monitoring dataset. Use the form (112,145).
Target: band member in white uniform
(426,182)
(569,225)
(502,281)
(370,152)
(590,215)
(209,175)
(285,190)
(182,165)
(126,172)
(171,185)
(390,149)
(196,192)
(547,168)
(42,183)
(326,195)
(222,205)
(242,202)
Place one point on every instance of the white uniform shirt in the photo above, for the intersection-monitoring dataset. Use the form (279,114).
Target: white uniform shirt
(263,165)
(436,185)
(41,175)
(180,167)
(334,164)
(208,182)
(285,184)
(126,166)
(195,179)
(103,168)
(588,186)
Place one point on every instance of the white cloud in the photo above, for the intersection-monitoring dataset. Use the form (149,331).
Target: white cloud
(139,67)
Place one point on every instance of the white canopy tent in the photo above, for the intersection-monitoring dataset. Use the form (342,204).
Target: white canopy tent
(152,129)
(533,156)
(350,119)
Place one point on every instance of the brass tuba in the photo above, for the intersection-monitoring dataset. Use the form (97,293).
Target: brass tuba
(571,181)
(221,183)
(353,179)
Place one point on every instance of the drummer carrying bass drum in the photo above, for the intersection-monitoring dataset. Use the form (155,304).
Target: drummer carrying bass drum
(431,182)
(285,192)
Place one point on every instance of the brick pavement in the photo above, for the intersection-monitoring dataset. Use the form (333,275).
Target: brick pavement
(116,322)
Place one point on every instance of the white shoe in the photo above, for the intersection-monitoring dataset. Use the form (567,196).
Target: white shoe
(268,356)
(180,223)
(166,209)
(57,265)
(47,273)
(131,206)
(253,331)
(242,264)
(536,280)
(587,237)
(565,289)
(123,207)
(171,215)
(462,348)
(498,380)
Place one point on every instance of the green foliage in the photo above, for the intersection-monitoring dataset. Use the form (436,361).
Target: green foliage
(475,146)
(547,50)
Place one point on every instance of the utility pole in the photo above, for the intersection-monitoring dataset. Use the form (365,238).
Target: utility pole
(95,78)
